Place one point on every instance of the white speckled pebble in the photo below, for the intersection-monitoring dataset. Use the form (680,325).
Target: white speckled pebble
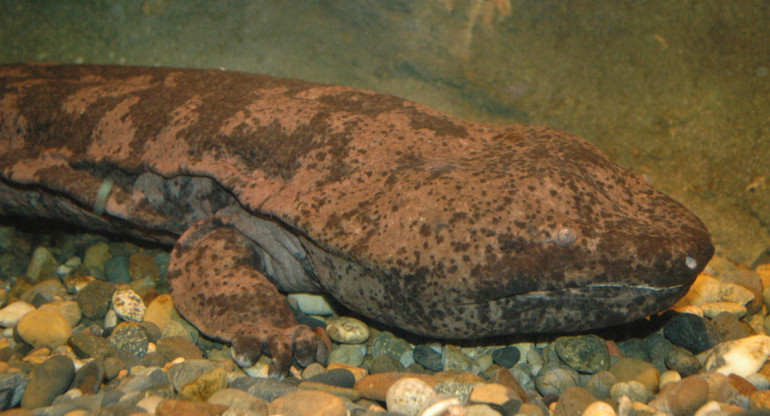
(742,357)
(408,396)
(312,304)
(12,314)
(128,305)
(347,330)
(599,409)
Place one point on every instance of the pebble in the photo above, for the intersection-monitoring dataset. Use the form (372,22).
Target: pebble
(11,314)
(627,369)
(308,402)
(172,407)
(130,338)
(600,384)
(635,390)
(376,386)
(409,395)
(599,409)
(492,393)
(346,330)
(454,359)
(43,263)
(97,255)
(12,386)
(176,346)
(312,304)
(69,309)
(742,357)
(583,353)
(116,270)
(712,309)
(128,305)
(43,292)
(204,385)
(94,299)
(385,363)
(505,357)
(87,345)
(694,333)
(347,354)
(44,328)
(683,362)
(442,405)
(683,397)
(143,266)
(49,380)
(161,311)
(573,401)
(335,377)
(239,399)
(387,343)
(555,379)
(427,357)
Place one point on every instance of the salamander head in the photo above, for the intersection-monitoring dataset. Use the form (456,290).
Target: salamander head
(536,232)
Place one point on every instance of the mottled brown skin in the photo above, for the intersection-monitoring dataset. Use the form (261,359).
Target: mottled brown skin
(439,226)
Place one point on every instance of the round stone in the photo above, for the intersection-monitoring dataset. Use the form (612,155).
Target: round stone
(506,357)
(44,328)
(584,353)
(409,395)
(346,330)
(347,354)
(555,379)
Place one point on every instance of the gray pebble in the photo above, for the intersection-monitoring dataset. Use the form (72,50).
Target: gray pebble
(12,385)
(506,357)
(427,357)
(347,354)
(116,270)
(555,379)
(49,380)
(600,384)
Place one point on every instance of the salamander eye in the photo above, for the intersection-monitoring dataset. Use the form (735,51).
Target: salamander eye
(565,236)
(691,262)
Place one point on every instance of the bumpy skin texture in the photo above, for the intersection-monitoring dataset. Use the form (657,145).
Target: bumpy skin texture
(439,226)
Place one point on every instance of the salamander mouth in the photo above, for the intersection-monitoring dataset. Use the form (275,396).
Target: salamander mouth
(556,311)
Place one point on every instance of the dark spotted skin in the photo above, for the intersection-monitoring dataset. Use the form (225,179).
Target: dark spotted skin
(442,227)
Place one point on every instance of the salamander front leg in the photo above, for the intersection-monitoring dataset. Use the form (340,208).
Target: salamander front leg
(217,287)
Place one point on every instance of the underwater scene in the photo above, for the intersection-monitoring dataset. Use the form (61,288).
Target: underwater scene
(446,207)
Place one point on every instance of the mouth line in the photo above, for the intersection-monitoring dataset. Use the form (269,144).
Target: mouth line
(604,291)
